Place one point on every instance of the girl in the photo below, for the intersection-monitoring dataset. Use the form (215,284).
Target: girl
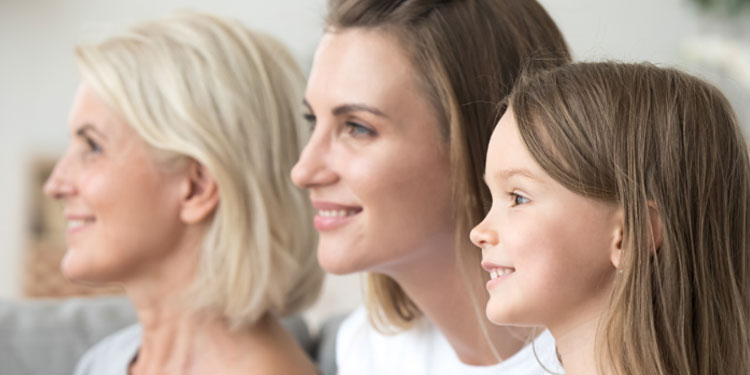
(620,220)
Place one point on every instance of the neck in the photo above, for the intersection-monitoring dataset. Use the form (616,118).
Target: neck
(576,344)
(177,339)
(436,285)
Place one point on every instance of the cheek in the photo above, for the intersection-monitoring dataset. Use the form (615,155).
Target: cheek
(137,219)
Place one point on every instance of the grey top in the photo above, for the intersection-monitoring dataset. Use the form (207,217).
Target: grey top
(112,355)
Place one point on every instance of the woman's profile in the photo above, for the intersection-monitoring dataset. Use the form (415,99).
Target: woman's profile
(175,185)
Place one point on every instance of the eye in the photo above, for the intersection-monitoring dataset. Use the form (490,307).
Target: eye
(92,145)
(518,199)
(310,118)
(358,130)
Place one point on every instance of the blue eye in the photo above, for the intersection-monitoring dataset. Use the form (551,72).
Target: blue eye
(357,130)
(519,199)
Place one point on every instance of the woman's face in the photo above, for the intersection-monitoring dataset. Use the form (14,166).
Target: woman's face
(549,251)
(122,210)
(376,165)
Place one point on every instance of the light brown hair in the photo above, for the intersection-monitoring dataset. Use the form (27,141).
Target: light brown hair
(466,56)
(639,135)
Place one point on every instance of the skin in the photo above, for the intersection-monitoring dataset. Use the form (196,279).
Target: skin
(559,249)
(135,223)
(377,160)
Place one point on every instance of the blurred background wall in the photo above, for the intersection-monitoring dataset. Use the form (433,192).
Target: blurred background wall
(38,77)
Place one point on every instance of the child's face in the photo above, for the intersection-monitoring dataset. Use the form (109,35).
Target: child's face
(547,249)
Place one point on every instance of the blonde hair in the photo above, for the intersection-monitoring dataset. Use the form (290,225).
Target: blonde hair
(642,137)
(201,87)
(465,56)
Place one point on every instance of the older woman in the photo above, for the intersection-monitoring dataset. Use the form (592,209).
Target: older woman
(175,186)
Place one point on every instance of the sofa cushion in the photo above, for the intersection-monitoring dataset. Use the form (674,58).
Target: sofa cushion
(49,336)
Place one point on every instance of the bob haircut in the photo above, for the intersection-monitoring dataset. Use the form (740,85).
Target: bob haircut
(654,140)
(466,56)
(196,86)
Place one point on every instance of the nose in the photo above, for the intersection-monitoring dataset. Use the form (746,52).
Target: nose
(313,169)
(59,184)
(483,236)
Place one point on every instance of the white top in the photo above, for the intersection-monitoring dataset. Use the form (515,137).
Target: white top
(423,350)
(112,355)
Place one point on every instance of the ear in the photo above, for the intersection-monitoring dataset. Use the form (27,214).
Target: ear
(615,252)
(656,226)
(200,194)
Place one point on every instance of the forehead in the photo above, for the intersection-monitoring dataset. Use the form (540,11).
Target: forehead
(357,64)
(507,151)
(89,108)
(505,143)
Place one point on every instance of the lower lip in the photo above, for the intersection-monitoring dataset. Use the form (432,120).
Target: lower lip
(493,282)
(79,228)
(327,223)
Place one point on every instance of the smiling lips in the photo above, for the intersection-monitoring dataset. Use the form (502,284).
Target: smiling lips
(332,215)
(76,222)
(502,271)
(497,273)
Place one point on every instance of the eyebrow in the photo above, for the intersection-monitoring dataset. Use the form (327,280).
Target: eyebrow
(508,173)
(352,107)
(86,128)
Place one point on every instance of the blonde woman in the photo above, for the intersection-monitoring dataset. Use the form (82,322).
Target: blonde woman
(402,97)
(175,186)
(621,219)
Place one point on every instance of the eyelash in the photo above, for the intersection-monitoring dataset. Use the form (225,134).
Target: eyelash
(92,145)
(353,129)
(310,118)
(358,130)
(514,197)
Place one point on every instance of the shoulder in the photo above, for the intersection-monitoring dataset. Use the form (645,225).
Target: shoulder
(361,349)
(113,354)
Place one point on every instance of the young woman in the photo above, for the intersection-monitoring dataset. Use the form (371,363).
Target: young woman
(175,185)
(620,220)
(402,97)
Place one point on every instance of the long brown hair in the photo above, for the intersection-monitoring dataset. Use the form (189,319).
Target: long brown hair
(466,56)
(653,138)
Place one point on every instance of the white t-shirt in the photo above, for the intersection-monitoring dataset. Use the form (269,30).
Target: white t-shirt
(423,350)
(112,355)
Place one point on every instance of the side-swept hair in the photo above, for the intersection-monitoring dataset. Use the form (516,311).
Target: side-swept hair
(642,137)
(466,55)
(196,86)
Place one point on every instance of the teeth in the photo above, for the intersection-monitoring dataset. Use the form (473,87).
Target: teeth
(497,272)
(72,224)
(336,213)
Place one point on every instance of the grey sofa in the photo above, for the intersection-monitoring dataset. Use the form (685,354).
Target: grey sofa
(46,337)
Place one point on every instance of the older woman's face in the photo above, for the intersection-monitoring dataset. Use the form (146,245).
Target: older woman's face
(376,165)
(122,210)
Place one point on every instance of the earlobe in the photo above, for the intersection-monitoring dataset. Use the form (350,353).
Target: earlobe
(615,254)
(200,195)
(657,235)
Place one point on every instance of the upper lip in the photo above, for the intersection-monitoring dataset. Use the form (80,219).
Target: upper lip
(489,266)
(77,217)
(321,205)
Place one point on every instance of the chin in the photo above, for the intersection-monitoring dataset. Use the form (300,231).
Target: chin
(77,270)
(499,314)
(339,260)
(336,265)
